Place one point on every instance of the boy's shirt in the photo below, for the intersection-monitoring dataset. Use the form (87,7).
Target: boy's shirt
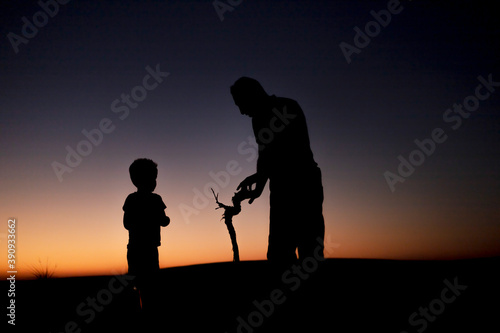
(143,213)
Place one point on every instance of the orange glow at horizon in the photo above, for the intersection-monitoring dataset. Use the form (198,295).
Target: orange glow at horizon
(94,241)
(76,226)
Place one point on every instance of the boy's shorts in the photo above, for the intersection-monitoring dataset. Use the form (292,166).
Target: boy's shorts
(142,260)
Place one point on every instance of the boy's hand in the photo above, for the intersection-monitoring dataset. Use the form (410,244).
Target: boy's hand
(166,221)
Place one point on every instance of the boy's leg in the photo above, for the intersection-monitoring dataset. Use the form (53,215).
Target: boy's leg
(134,263)
(134,269)
(144,265)
(150,283)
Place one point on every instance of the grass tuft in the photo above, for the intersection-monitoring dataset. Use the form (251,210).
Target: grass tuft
(43,271)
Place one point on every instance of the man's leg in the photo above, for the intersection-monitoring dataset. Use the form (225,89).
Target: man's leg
(311,243)
(312,230)
(282,231)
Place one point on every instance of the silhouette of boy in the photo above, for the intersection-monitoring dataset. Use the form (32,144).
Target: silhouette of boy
(144,215)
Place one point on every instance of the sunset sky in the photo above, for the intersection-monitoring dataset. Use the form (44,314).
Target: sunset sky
(72,75)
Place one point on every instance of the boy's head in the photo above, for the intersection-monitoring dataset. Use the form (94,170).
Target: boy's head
(143,173)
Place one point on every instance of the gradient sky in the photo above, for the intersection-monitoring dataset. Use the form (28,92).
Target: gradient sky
(361,115)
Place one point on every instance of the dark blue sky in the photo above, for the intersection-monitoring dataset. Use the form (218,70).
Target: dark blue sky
(361,115)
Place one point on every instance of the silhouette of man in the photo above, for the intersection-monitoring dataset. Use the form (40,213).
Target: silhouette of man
(286,159)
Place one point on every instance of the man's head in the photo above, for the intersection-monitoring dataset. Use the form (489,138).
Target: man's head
(249,96)
(143,173)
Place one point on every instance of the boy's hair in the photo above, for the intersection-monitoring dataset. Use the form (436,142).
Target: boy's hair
(142,169)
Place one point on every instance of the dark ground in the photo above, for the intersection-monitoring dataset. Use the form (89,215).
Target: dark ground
(338,295)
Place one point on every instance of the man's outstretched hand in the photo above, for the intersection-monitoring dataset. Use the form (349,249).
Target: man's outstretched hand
(254,185)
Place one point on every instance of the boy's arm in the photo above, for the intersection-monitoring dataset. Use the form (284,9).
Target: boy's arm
(127,216)
(128,220)
(164,220)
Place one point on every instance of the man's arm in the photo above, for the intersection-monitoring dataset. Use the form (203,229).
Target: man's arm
(248,185)
(255,183)
(262,163)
